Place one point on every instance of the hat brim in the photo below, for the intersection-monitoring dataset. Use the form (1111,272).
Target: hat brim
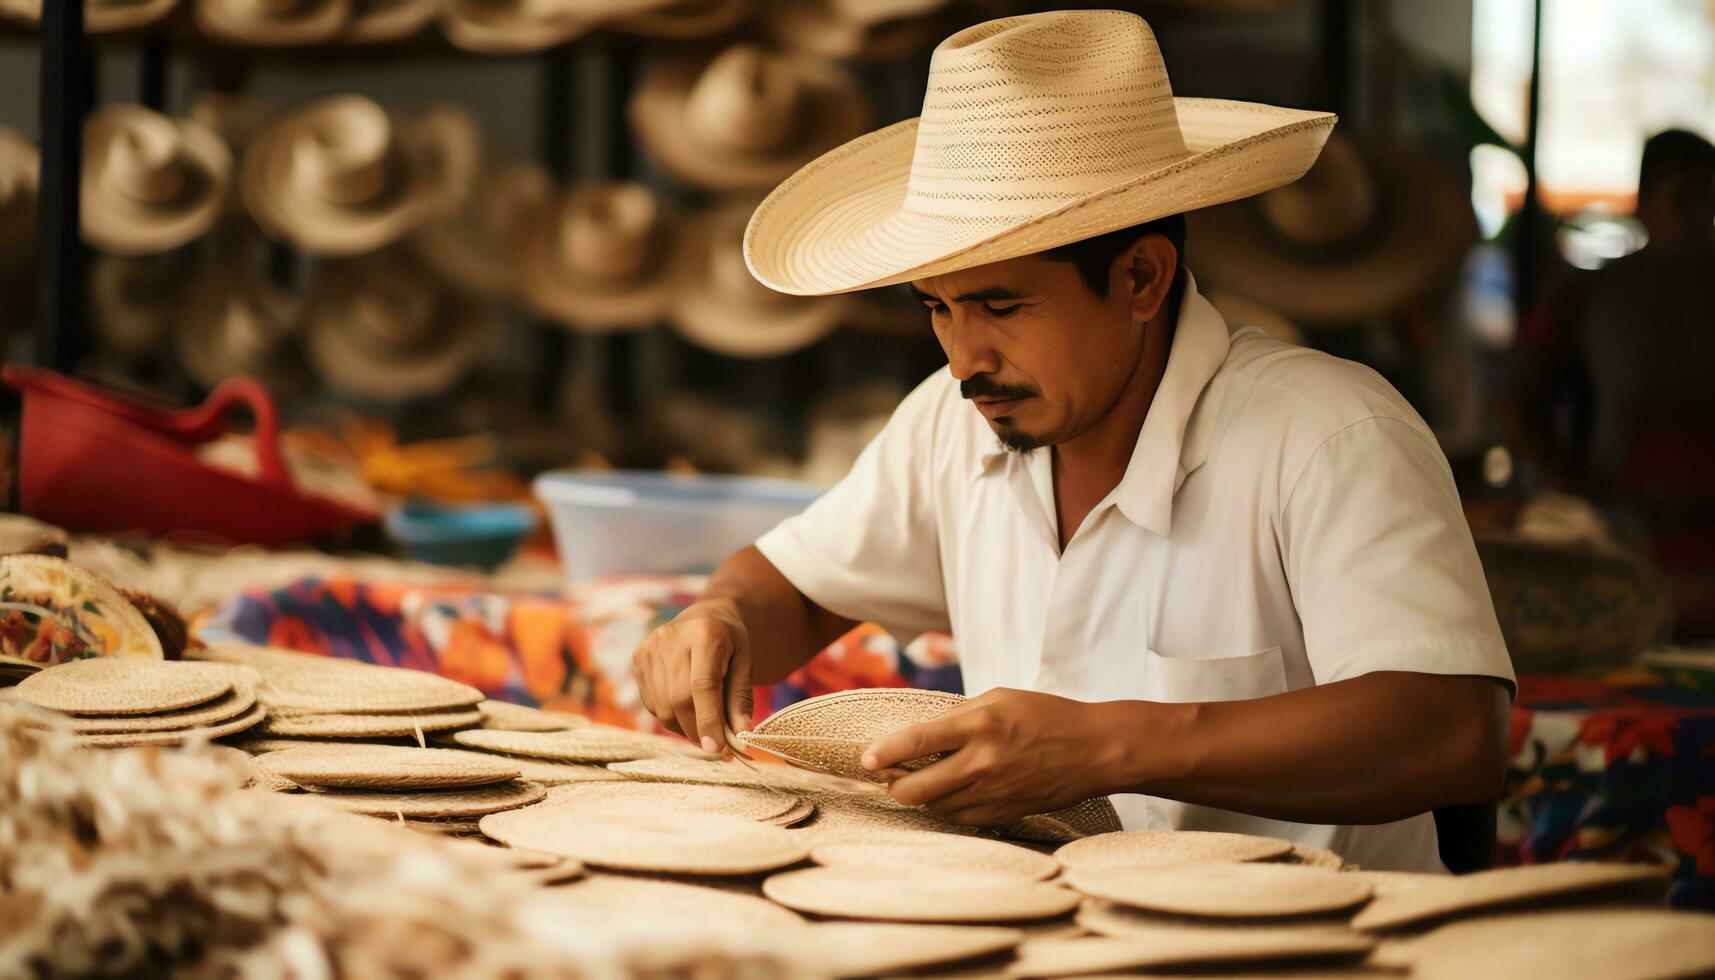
(387,22)
(840,224)
(121,226)
(322,22)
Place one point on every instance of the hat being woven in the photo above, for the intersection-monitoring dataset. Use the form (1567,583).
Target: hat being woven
(589,744)
(749,802)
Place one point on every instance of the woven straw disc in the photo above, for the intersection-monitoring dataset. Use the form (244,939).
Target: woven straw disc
(803,811)
(678,769)
(224,708)
(468,826)
(1591,944)
(1315,857)
(582,745)
(261,778)
(1503,886)
(1390,883)
(449,804)
(111,686)
(366,725)
(869,949)
(925,896)
(1221,890)
(538,770)
(1091,818)
(385,767)
(508,717)
(179,736)
(1117,921)
(649,840)
(748,802)
(1169,847)
(606,900)
(1170,945)
(345,687)
(906,851)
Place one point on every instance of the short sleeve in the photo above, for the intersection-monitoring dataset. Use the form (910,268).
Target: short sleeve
(868,549)
(1381,562)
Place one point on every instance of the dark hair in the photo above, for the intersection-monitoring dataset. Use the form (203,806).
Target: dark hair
(1675,151)
(1095,256)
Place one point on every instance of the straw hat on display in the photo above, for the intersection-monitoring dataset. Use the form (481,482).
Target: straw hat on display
(149,183)
(1076,105)
(272,23)
(602,259)
(382,21)
(509,26)
(473,248)
(1369,227)
(342,176)
(376,328)
(132,300)
(99,16)
(20,169)
(854,30)
(684,19)
(232,321)
(720,306)
(746,119)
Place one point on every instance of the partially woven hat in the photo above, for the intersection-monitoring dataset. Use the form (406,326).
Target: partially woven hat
(1484,890)
(927,896)
(600,258)
(149,183)
(508,717)
(1037,131)
(1234,891)
(301,683)
(176,736)
(474,801)
(610,900)
(747,118)
(99,16)
(20,169)
(276,23)
(227,707)
(64,611)
(589,744)
(366,724)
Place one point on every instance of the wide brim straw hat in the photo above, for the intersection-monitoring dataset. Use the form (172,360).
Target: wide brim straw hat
(1037,131)
(343,176)
(602,258)
(281,24)
(99,16)
(377,328)
(149,183)
(232,321)
(853,30)
(1371,226)
(474,248)
(20,172)
(719,306)
(385,21)
(746,118)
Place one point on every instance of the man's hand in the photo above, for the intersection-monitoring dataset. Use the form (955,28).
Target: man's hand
(694,673)
(1009,754)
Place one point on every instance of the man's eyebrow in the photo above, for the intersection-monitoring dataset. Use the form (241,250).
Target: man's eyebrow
(988,294)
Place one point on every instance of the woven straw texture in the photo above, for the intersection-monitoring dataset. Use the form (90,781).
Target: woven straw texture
(607,900)
(244,721)
(108,686)
(871,949)
(1222,890)
(1106,918)
(385,767)
(1036,131)
(448,804)
(306,683)
(673,769)
(1592,944)
(649,840)
(541,771)
(1173,946)
(368,725)
(224,708)
(78,598)
(582,745)
(748,802)
(905,852)
(1315,857)
(1169,847)
(926,896)
(508,717)
(1503,886)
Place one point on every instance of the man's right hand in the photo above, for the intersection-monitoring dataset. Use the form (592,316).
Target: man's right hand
(694,673)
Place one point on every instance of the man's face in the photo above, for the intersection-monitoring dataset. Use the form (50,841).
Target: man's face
(1039,354)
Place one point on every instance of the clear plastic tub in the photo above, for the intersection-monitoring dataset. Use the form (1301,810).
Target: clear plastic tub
(635,521)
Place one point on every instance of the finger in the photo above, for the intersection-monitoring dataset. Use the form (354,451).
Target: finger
(740,692)
(709,660)
(945,734)
(933,782)
(661,684)
(642,669)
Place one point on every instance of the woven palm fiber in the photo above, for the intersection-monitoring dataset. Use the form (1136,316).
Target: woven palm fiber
(261,778)
(108,686)
(104,623)
(181,736)
(830,733)
(448,804)
(508,717)
(367,725)
(539,770)
(224,708)
(1169,847)
(605,900)
(923,896)
(1174,946)
(839,816)
(678,769)
(1221,890)
(649,840)
(261,744)
(1104,918)
(1590,944)
(385,767)
(307,683)
(905,851)
(582,745)
(869,949)
(749,802)
(1485,890)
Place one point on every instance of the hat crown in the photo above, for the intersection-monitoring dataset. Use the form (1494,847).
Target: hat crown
(344,157)
(608,231)
(746,99)
(394,313)
(1028,111)
(143,161)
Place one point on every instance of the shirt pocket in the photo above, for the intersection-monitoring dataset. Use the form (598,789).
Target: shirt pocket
(1181,680)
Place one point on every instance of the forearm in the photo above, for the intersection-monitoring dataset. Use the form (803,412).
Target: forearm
(1367,750)
(785,628)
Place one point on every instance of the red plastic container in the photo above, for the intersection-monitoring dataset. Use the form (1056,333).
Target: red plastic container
(91,460)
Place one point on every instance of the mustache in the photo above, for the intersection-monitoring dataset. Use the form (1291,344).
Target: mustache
(985,386)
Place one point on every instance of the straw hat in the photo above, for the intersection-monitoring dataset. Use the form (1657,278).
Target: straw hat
(904,850)
(381,21)
(475,801)
(857,30)
(720,306)
(20,169)
(150,183)
(272,23)
(683,19)
(511,26)
(601,259)
(1037,131)
(584,745)
(1369,227)
(99,16)
(376,327)
(232,321)
(473,247)
(342,176)
(746,118)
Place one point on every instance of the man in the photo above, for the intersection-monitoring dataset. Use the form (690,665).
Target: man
(1225,579)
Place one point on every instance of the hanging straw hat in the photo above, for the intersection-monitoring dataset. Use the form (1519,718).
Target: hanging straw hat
(382,21)
(99,16)
(854,30)
(150,183)
(473,247)
(720,306)
(272,23)
(601,259)
(511,26)
(377,328)
(20,169)
(1037,131)
(1369,227)
(342,176)
(683,19)
(746,119)
(232,321)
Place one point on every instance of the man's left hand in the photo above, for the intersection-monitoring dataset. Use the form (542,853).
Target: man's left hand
(1009,754)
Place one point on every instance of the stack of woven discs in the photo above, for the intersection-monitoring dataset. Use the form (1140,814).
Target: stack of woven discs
(123,702)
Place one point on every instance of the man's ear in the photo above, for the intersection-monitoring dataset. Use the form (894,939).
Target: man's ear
(1147,269)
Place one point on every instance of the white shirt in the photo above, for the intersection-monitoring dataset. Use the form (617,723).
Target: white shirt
(1286,520)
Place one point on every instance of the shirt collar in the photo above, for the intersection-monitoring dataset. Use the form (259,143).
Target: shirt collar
(1145,493)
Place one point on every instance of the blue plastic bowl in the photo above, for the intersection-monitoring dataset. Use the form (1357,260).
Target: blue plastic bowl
(480,536)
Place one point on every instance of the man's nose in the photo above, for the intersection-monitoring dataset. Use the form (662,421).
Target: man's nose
(969,352)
